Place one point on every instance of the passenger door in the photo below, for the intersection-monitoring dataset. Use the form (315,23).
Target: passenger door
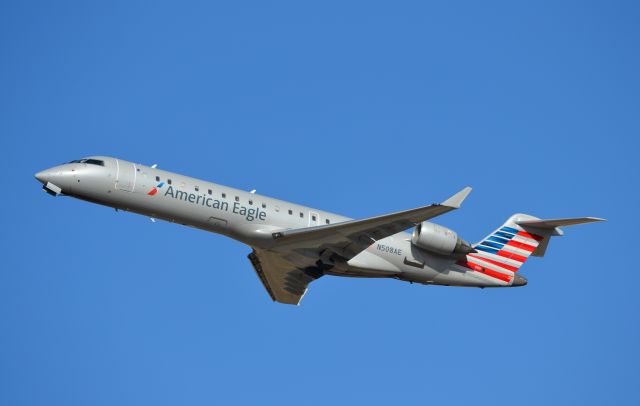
(125,175)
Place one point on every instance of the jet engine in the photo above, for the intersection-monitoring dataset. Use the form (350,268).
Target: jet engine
(440,240)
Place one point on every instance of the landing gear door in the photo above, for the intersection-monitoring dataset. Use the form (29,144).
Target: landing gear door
(125,176)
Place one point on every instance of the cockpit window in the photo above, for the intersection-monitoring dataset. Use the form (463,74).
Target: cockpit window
(88,161)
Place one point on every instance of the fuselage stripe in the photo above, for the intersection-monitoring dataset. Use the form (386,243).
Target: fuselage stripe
(511,248)
(486,249)
(492,244)
(521,246)
(531,236)
(502,259)
(498,239)
(484,271)
(496,263)
(511,255)
(503,234)
(525,240)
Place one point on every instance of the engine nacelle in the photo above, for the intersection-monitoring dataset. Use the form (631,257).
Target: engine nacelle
(440,240)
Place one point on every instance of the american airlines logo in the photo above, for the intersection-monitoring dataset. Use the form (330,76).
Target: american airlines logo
(153,191)
(249,213)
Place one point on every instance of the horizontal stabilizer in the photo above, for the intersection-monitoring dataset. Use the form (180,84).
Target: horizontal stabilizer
(553,223)
(522,236)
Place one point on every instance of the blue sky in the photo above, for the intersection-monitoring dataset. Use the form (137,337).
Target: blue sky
(357,108)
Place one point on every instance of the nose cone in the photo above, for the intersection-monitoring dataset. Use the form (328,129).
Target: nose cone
(519,280)
(43,176)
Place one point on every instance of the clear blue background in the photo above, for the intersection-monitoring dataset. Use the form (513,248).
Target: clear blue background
(357,108)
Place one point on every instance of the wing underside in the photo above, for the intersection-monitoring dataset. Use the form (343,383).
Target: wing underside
(296,257)
(284,282)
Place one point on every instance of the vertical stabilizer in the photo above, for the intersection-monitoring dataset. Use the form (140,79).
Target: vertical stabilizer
(501,254)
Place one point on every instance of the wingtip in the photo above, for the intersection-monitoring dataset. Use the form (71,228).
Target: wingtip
(457,199)
(594,219)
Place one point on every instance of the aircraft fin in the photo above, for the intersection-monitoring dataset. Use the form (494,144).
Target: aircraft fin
(542,247)
(501,254)
(506,248)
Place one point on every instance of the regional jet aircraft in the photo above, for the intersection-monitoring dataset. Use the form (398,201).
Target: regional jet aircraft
(293,245)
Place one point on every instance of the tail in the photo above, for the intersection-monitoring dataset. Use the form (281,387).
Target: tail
(501,254)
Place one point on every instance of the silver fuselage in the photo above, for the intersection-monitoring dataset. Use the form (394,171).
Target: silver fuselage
(247,217)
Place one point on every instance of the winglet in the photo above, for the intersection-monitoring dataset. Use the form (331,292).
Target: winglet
(456,200)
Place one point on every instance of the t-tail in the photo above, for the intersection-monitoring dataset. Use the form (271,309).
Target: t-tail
(501,254)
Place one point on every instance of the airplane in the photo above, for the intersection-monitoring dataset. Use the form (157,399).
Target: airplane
(293,245)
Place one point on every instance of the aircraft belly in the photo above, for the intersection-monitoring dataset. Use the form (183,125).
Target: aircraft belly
(369,263)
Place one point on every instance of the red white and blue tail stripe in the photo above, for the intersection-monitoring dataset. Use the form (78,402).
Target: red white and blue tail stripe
(502,253)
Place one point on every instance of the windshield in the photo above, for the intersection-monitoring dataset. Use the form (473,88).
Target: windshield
(88,161)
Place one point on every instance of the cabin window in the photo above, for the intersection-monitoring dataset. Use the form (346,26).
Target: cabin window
(313,218)
(327,221)
(264,205)
(224,195)
(169,181)
(251,202)
(290,212)
(210,191)
(237,199)
(157,178)
(197,188)
(301,215)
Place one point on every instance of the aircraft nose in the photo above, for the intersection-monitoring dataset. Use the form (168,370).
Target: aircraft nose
(43,176)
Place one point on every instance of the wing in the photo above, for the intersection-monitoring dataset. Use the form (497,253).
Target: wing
(284,282)
(349,238)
